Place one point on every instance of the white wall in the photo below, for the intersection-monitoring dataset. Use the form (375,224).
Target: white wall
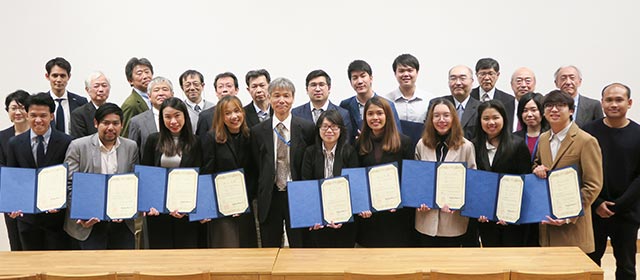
(291,38)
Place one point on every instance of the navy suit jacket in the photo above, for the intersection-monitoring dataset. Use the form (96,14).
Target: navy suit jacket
(469,117)
(75,101)
(505,98)
(5,135)
(205,120)
(262,149)
(304,111)
(82,121)
(351,105)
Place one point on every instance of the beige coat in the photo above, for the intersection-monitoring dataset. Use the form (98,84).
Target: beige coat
(432,222)
(582,150)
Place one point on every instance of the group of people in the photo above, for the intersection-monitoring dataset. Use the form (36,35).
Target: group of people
(484,127)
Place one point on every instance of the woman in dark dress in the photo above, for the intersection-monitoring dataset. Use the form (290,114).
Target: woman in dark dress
(226,147)
(330,154)
(173,146)
(379,143)
(498,151)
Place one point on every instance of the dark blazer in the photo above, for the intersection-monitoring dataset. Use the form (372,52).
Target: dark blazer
(313,163)
(151,156)
(75,101)
(132,106)
(262,147)
(205,121)
(588,110)
(252,116)
(82,121)
(469,117)
(407,151)
(351,105)
(506,99)
(5,135)
(304,111)
(517,161)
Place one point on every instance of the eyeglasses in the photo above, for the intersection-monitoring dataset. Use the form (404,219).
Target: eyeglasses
(16,108)
(333,127)
(486,73)
(314,85)
(526,81)
(456,78)
(558,105)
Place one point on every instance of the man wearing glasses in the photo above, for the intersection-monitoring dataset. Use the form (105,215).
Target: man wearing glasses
(569,79)
(460,83)
(192,84)
(523,81)
(488,72)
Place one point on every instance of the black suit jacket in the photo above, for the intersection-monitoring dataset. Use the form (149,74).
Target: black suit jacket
(205,120)
(304,111)
(82,121)
(516,161)
(262,147)
(407,151)
(151,156)
(313,162)
(5,135)
(231,155)
(75,101)
(506,99)
(252,116)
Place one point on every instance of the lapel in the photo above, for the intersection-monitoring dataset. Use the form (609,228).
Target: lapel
(566,144)
(267,140)
(581,108)
(306,112)
(25,144)
(469,111)
(96,157)
(252,115)
(149,122)
(544,149)
(355,111)
(452,155)
(337,162)
(140,103)
(123,157)
(51,146)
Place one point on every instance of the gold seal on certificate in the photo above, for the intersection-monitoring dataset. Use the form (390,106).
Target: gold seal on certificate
(52,188)
(384,187)
(564,190)
(509,198)
(182,190)
(336,200)
(450,183)
(231,193)
(122,196)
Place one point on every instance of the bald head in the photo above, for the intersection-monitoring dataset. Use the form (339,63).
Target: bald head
(460,82)
(523,80)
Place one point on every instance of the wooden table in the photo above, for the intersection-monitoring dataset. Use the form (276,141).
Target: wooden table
(224,264)
(329,264)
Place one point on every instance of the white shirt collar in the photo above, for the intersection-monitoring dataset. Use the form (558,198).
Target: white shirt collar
(562,134)
(46,135)
(104,149)
(324,107)
(491,93)
(192,105)
(65,96)
(258,110)
(333,150)
(286,122)
(464,102)
(397,95)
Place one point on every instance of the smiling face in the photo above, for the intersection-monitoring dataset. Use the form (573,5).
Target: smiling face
(109,128)
(361,83)
(39,118)
(192,87)
(233,117)
(281,100)
(140,77)
(442,119)
(492,122)
(159,93)
(558,115)
(376,119)
(568,80)
(173,120)
(615,102)
(329,133)
(460,82)
(522,81)
(17,113)
(318,90)
(406,76)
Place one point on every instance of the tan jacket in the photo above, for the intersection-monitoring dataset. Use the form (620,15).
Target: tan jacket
(582,150)
(432,222)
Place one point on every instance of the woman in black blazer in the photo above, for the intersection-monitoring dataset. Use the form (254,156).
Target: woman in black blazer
(331,140)
(379,143)
(226,147)
(498,151)
(173,146)
(531,118)
(14,104)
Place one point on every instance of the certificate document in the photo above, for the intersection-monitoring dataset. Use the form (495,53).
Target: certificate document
(564,189)
(384,186)
(182,190)
(122,196)
(450,183)
(52,188)
(509,198)
(231,192)
(336,200)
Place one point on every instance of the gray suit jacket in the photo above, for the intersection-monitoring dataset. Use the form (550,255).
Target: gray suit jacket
(588,110)
(140,127)
(83,155)
(193,115)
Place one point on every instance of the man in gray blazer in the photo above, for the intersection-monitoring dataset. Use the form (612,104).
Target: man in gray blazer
(142,125)
(104,152)
(569,79)
(192,84)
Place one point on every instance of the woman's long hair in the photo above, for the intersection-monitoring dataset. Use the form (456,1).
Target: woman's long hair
(391,136)
(186,139)
(455,139)
(537,99)
(218,118)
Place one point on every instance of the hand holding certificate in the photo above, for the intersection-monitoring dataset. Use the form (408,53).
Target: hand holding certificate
(564,190)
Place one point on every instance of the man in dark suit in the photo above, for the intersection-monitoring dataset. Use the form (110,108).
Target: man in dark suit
(259,109)
(226,84)
(278,146)
(523,81)
(139,73)
(145,124)
(361,77)
(98,87)
(58,74)
(318,85)
(39,147)
(488,72)
(192,84)
(460,82)
(569,79)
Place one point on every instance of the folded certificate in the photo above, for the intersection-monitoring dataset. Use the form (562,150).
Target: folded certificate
(535,200)
(106,197)
(220,195)
(418,183)
(33,190)
(481,194)
(558,197)
(167,189)
(358,185)
(320,202)
(374,188)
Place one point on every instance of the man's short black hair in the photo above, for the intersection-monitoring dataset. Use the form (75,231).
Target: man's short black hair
(191,73)
(255,74)
(41,98)
(132,63)
(60,62)
(107,109)
(487,63)
(359,65)
(406,60)
(225,75)
(317,73)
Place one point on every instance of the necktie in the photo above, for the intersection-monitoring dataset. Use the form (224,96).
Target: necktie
(60,115)
(328,164)
(197,108)
(40,151)
(282,159)
(262,115)
(460,110)
(316,114)
(485,97)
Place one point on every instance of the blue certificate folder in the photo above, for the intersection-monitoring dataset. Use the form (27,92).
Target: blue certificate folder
(152,187)
(536,200)
(89,196)
(207,202)
(481,194)
(305,203)
(359,187)
(18,189)
(418,183)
